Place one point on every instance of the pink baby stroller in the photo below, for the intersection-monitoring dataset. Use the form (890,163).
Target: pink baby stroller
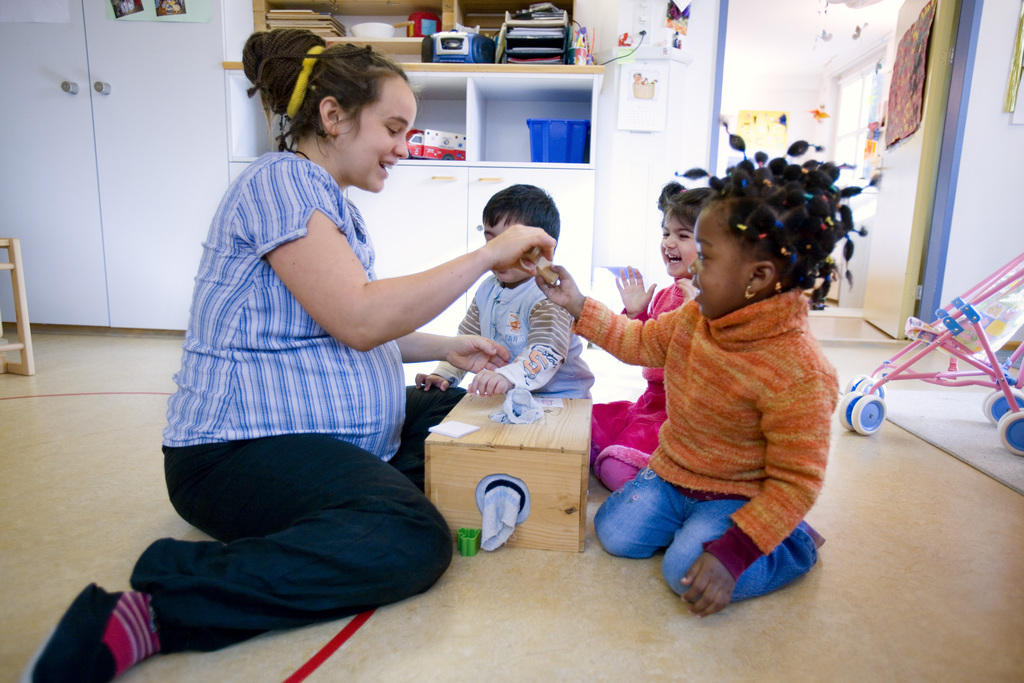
(970,329)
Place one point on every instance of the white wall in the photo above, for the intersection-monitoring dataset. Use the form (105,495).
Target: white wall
(987,229)
(632,166)
(794,94)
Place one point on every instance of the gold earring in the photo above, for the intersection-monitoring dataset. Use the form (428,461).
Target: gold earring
(778,286)
(747,294)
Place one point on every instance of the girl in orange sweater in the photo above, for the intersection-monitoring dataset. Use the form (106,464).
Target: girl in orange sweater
(749,394)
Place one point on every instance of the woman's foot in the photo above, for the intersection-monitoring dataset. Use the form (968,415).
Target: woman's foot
(100,635)
(616,465)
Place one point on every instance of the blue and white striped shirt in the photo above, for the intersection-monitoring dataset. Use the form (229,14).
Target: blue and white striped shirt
(254,363)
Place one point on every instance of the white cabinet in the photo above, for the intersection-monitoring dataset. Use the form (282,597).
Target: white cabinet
(417,222)
(111,194)
(429,213)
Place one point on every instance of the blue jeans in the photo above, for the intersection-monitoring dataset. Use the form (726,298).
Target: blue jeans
(649,514)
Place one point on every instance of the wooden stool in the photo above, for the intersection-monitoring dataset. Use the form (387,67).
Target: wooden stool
(551,457)
(27,366)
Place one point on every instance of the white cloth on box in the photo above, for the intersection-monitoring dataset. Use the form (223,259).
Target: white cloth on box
(520,407)
(501,510)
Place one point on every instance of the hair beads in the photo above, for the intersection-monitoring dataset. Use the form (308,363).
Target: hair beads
(790,213)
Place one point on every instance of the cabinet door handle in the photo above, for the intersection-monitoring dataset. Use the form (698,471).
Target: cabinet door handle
(70,87)
(442,177)
(488,180)
(101,87)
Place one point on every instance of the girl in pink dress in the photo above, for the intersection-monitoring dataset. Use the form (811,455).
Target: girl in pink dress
(624,433)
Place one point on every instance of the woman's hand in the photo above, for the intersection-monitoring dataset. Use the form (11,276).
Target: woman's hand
(508,248)
(473,353)
(565,293)
(426,382)
(488,383)
(635,297)
(710,583)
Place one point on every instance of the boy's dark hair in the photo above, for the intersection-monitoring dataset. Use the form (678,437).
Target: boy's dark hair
(353,75)
(792,214)
(526,204)
(684,205)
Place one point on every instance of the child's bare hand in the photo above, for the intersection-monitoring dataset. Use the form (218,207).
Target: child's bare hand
(488,383)
(635,297)
(565,293)
(685,285)
(426,382)
(710,583)
(475,353)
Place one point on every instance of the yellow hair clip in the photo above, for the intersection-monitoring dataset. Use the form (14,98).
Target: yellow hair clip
(299,92)
(740,226)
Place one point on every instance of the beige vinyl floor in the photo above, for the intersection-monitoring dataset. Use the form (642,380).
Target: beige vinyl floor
(921,578)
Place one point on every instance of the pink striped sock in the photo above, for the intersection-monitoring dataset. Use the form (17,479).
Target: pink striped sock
(131,633)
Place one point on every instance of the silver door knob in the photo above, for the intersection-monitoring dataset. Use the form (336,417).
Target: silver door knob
(70,87)
(101,87)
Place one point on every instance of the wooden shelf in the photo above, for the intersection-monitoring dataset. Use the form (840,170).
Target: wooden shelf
(450,11)
(388,46)
(474,68)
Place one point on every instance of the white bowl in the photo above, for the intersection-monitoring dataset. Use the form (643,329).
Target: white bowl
(372,29)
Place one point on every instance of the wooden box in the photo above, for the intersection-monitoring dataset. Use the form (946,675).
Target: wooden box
(552,457)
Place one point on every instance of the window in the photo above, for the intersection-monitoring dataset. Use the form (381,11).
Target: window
(859,119)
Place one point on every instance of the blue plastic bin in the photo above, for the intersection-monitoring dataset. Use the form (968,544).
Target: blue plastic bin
(562,141)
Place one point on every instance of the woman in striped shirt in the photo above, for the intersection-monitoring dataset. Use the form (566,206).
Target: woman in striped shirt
(291,439)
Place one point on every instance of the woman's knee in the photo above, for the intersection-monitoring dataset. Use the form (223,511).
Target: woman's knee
(423,549)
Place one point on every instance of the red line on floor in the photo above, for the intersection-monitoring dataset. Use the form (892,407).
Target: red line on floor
(91,393)
(329,649)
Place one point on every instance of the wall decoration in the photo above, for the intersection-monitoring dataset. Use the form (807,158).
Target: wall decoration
(819,113)
(1016,66)
(906,94)
(123,8)
(168,7)
(677,16)
(763,130)
(643,96)
(160,10)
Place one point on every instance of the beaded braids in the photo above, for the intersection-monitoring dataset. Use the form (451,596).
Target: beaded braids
(790,213)
(273,62)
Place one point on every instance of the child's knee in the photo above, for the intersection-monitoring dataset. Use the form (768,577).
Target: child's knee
(617,535)
(679,557)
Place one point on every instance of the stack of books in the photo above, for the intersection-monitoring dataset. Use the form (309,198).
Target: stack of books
(538,35)
(323,24)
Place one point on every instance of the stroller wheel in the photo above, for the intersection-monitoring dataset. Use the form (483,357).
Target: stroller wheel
(846,404)
(1011,431)
(855,383)
(861,384)
(868,414)
(996,405)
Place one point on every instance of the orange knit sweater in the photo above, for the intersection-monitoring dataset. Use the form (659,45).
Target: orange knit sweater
(749,398)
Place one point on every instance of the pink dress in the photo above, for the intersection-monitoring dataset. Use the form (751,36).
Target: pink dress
(632,428)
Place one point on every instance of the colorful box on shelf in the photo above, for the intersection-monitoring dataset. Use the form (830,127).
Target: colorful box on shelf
(563,141)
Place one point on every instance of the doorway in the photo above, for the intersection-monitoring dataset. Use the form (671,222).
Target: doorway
(825,67)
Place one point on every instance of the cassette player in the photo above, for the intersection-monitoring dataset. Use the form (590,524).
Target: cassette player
(458,47)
